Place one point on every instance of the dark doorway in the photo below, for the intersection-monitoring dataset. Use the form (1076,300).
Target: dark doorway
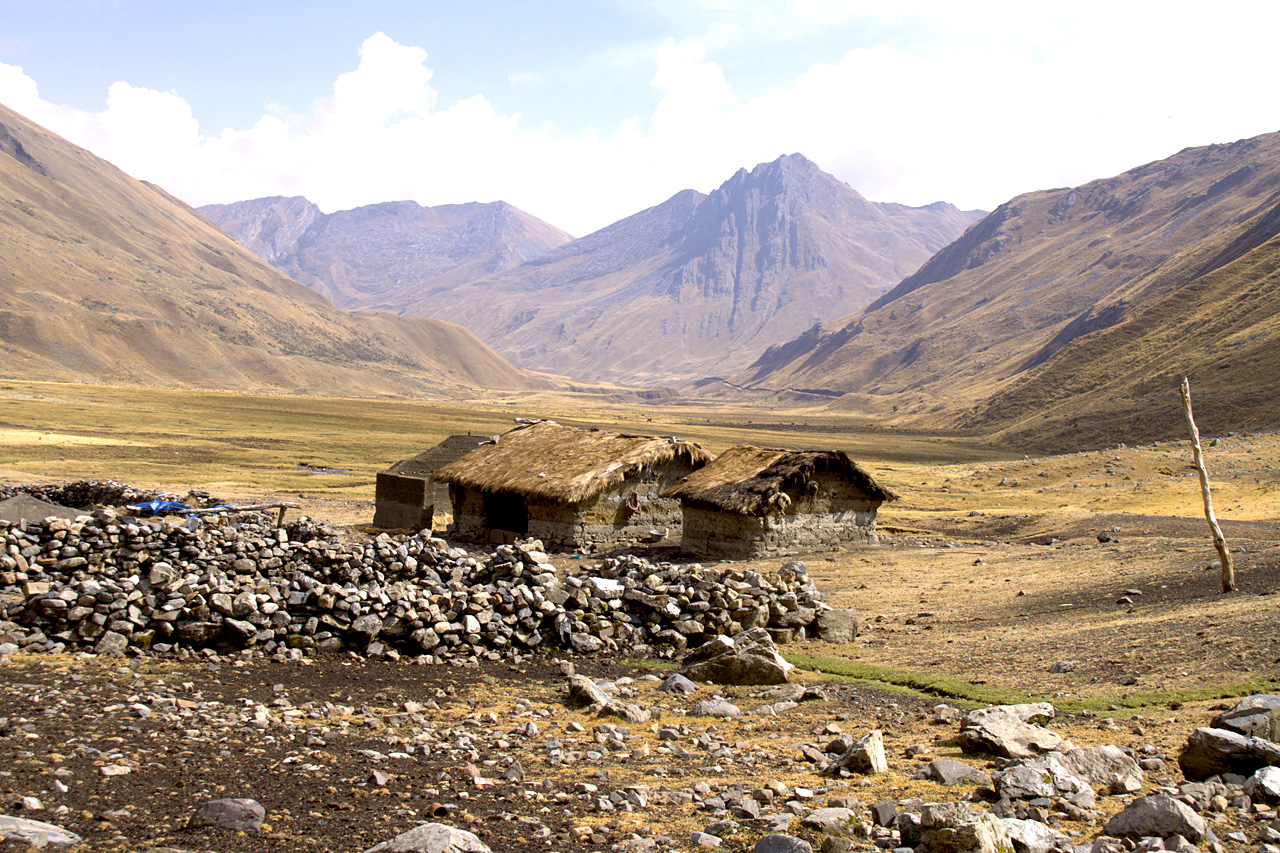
(505,511)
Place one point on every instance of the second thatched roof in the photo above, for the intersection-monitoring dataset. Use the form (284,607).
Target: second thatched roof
(563,463)
(452,448)
(749,480)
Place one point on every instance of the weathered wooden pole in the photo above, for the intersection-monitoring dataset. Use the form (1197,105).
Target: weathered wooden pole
(1219,541)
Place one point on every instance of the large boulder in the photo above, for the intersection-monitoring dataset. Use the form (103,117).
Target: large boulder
(432,838)
(1253,716)
(865,755)
(236,814)
(1004,730)
(949,772)
(1032,836)
(749,657)
(583,692)
(1160,816)
(837,626)
(1044,776)
(1105,766)
(957,828)
(835,821)
(1264,786)
(35,833)
(1209,752)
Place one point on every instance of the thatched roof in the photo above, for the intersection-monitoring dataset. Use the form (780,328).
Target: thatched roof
(754,480)
(563,463)
(453,447)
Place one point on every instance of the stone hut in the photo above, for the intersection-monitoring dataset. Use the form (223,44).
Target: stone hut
(753,502)
(575,489)
(404,498)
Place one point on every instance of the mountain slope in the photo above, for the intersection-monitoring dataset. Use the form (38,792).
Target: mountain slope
(1059,295)
(1211,314)
(106,278)
(379,257)
(700,284)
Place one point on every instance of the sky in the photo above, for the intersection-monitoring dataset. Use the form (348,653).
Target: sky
(582,112)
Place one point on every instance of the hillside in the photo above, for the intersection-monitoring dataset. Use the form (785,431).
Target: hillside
(1087,300)
(106,278)
(381,256)
(700,284)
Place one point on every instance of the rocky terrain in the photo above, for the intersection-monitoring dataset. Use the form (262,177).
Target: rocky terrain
(381,257)
(346,741)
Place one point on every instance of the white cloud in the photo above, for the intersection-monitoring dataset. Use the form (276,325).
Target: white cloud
(970,107)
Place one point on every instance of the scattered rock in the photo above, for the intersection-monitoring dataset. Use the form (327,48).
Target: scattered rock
(1160,816)
(946,771)
(837,626)
(678,684)
(715,708)
(1253,716)
(782,844)
(432,838)
(840,822)
(35,833)
(232,813)
(957,828)
(1210,751)
(1264,786)
(746,658)
(1105,766)
(865,755)
(1004,730)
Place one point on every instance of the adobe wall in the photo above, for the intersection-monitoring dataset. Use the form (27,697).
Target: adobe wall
(405,503)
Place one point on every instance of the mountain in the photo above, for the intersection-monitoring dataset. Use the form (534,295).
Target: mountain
(1069,313)
(106,278)
(700,284)
(379,257)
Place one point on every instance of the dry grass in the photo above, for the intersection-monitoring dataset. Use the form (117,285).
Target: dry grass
(560,463)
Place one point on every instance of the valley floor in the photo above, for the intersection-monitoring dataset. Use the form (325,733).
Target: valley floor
(989,573)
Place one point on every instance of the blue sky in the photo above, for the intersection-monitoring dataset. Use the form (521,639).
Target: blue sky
(584,112)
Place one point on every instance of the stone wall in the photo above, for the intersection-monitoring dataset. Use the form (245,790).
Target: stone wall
(602,523)
(118,584)
(834,514)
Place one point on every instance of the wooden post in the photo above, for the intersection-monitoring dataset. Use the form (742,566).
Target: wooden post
(1219,542)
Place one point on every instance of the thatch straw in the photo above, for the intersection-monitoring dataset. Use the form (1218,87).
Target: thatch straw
(452,448)
(562,463)
(753,480)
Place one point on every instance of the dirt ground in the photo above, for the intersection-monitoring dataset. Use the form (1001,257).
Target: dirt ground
(987,575)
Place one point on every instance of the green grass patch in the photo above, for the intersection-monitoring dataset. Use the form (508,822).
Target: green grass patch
(959,691)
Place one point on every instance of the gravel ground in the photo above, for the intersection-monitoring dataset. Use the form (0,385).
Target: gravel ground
(343,753)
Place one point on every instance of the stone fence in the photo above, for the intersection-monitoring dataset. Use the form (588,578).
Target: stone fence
(120,584)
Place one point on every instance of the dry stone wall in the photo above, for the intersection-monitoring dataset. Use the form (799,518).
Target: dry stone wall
(120,584)
(730,536)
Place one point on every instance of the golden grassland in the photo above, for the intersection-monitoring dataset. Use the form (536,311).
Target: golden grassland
(177,438)
(999,548)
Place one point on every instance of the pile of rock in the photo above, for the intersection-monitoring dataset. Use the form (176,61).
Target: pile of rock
(117,583)
(82,493)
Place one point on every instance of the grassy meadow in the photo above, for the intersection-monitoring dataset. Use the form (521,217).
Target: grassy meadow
(238,442)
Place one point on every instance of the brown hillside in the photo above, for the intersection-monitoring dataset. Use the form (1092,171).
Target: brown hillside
(1083,299)
(382,256)
(107,278)
(1212,315)
(700,284)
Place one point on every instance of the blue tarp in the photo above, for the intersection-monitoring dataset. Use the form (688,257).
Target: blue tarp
(158,506)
